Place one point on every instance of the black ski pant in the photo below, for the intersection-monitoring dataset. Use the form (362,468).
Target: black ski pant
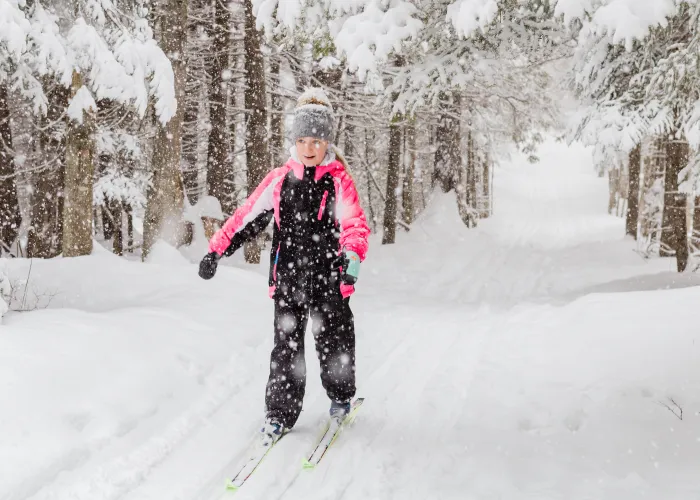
(333,329)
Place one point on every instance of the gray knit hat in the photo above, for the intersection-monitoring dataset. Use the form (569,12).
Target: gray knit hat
(313,116)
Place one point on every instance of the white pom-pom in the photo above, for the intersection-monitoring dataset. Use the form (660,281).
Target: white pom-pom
(314,95)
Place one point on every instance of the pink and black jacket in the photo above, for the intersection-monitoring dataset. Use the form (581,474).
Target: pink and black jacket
(317,213)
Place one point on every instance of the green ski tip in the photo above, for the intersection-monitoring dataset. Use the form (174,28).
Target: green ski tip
(306,464)
(230,486)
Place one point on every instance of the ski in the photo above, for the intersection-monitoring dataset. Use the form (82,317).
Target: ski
(331,432)
(250,466)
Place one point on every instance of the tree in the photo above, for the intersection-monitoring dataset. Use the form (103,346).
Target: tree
(392,182)
(409,171)
(472,200)
(448,155)
(219,167)
(10,218)
(80,158)
(257,151)
(166,194)
(674,232)
(643,83)
(198,60)
(45,235)
(632,219)
(98,50)
(277,152)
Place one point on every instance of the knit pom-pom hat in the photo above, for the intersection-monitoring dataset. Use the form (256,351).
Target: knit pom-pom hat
(313,116)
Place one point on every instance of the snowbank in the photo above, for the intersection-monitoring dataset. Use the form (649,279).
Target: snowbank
(127,356)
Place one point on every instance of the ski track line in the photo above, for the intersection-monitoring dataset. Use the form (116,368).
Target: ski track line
(410,388)
(213,487)
(467,352)
(394,353)
(120,476)
(475,344)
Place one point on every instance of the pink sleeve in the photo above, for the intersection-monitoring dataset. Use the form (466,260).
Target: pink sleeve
(262,199)
(354,230)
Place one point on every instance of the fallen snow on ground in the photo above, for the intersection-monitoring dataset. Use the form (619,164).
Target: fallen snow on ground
(537,357)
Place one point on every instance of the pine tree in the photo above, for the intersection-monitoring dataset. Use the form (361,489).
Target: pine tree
(257,151)
(163,218)
(674,229)
(409,171)
(10,217)
(219,168)
(392,182)
(80,165)
(45,236)
(634,171)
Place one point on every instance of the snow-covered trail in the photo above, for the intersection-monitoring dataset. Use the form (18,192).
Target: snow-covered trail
(532,358)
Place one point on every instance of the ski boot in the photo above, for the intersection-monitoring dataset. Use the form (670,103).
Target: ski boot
(339,410)
(271,432)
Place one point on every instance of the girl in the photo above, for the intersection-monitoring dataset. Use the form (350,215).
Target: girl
(319,239)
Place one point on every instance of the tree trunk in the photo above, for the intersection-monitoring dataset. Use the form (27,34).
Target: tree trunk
(10,218)
(368,152)
(107,226)
(104,211)
(613,189)
(129,228)
(696,222)
(190,173)
(165,197)
(409,175)
(632,218)
(80,168)
(196,68)
(349,143)
(45,235)
(392,181)
(219,168)
(276,115)
(486,212)
(115,209)
(674,234)
(236,101)
(448,161)
(653,165)
(257,152)
(469,217)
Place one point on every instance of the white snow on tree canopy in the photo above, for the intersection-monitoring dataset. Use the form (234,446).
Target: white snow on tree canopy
(112,47)
(365,31)
(13,29)
(470,15)
(371,35)
(623,20)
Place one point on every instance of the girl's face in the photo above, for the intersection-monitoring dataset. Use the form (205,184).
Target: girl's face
(311,151)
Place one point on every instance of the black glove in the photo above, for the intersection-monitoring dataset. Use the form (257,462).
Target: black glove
(207,268)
